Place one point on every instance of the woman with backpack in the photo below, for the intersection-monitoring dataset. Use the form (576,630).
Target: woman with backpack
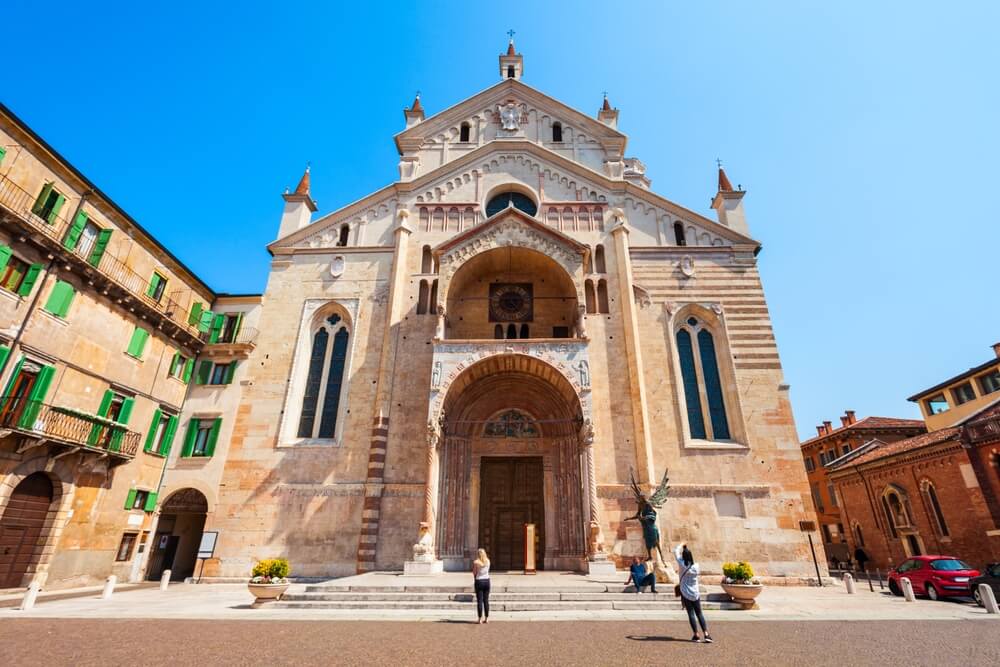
(690,592)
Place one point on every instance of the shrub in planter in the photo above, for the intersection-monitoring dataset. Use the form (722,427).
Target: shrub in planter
(738,573)
(739,583)
(270,571)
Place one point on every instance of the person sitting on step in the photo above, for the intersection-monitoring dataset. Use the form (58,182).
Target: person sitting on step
(640,576)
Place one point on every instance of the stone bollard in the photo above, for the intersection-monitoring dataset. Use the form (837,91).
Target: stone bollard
(907,589)
(31,595)
(109,587)
(849,582)
(165,580)
(989,600)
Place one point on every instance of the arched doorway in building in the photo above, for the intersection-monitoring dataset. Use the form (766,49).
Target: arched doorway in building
(22,527)
(510,456)
(178,534)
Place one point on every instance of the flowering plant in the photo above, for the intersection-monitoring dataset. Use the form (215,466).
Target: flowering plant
(738,573)
(270,571)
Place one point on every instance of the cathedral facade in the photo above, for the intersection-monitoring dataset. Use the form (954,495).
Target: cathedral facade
(507,335)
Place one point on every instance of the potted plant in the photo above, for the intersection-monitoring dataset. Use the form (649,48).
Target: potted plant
(739,583)
(269,580)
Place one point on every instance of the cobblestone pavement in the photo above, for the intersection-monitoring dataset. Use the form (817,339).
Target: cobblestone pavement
(214,642)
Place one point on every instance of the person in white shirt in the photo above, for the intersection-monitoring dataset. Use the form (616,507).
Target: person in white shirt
(690,593)
(481,582)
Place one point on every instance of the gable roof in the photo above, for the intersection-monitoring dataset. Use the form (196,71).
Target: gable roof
(868,424)
(504,215)
(446,118)
(903,446)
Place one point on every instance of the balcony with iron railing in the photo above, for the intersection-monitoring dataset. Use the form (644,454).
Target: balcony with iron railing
(70,430)
(241,341)
(111,276)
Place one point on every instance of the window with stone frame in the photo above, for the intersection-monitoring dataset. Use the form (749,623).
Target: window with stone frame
(126,546)
(702,382)
(930,494)
(324,379)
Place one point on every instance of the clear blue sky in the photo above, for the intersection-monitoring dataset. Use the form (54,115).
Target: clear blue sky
(865,133)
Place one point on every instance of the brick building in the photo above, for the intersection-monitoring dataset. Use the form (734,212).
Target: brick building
(831,444)
(936,492)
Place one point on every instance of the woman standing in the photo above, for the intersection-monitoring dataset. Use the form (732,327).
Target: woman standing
(481,582)
(690,593)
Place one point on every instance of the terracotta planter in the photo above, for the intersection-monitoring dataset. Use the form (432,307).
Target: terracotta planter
(743,594)
(267,592)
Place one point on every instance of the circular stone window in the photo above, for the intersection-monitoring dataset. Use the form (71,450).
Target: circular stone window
(520,201)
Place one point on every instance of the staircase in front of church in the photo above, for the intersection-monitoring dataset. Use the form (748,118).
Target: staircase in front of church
(523,598)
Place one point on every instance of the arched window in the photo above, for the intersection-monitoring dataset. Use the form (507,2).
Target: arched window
(524,331)
(321,400)
(599,266)
(896,507)
(432,305)
(859,537)
(498,332)
(345,232)
(520,201)
(425,219)
(932,501)
(590,296)
(511,331)
(602,296)
(463,132)
(422,298)
(703,393)
(437,224)
(426,260)
(679,234)
(557,131)
(510,71)
(453,219)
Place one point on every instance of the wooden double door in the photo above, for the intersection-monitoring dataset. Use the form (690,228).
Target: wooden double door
(21,527)
(511,495)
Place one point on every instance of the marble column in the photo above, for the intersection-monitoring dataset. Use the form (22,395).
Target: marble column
(598,563)
(425,560)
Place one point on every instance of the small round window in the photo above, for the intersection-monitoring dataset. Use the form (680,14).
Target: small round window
(519,201)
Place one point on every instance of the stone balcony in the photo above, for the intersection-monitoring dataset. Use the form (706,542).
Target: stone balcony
(239,344)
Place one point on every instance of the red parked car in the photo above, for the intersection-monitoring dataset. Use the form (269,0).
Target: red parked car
(934,576)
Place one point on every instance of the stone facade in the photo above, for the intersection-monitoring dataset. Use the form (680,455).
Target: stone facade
(594,379)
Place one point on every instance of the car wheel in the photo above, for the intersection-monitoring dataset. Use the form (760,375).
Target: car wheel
(932,593)
(894,588)
(978,596)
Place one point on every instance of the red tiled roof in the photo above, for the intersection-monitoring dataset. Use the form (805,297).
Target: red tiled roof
(870,424)
(510,48)
(416,104)
(303,187)
(910,444)
(724,184)
(607,105)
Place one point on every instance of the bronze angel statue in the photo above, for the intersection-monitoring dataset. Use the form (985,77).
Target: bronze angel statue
(646,514)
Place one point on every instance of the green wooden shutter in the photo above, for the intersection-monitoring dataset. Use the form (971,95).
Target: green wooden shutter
(30,277)
(216,328)
(126,412)
(189,438)
(150,502)
(205,323)
(13,376)
(37,396)
(4,353)
(73,233)
(137,345)
(98,252)
(42,198)
(188,369)
(130,499)
(168,435)
(54,213)
(3,151)
(60,298)
(109,396)
(213,436)
(154,282)
(5,253)
(230,373)
(195,315)
(153,428)
(204,372)
(173,364)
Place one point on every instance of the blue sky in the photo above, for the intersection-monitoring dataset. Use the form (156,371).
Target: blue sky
(865,133)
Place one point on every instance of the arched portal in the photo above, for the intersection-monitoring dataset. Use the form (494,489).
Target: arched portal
(511,455)
(22,527)
(178,535)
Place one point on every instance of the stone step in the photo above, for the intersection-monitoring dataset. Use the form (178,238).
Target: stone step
(327,596)
(292,602)
(590,588)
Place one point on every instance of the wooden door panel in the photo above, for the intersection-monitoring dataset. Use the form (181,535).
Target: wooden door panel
(511,495)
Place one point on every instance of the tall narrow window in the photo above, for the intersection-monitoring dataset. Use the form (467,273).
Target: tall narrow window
(713,386)
(557,131)
(432,306)
(859,537)
(689,376)
(423,297)
(510,71)
(602,296)
(524,331)
(324,380)
(498,332)
(512,331)
(463,132)
(426,260)
(889,518)
(599,266)
(590,295)
(702,381)
(679,234)
(345,231)
(935,506)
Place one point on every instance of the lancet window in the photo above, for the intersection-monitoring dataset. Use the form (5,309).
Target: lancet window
(325,379)
(703,391)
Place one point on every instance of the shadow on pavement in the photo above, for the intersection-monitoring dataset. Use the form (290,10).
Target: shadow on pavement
(649,638)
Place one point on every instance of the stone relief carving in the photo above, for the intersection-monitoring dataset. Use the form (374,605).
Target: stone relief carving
(584,370)
(687,266)
(587,433)
(337,266)
(642,297)
(436,375)
(580,324)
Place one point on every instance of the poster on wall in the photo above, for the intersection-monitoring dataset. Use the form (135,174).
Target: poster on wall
(207,547)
